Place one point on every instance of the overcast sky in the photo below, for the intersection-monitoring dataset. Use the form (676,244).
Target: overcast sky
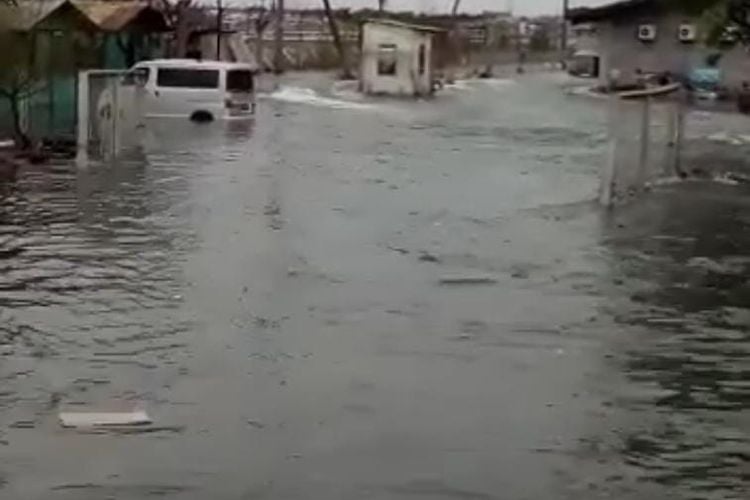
(524,7)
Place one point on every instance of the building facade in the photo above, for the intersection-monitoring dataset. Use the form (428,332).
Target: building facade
(635,37)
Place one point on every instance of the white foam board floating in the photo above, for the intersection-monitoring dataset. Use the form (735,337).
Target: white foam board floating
(104,419)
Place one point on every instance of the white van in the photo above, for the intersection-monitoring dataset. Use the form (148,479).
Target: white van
(196,90)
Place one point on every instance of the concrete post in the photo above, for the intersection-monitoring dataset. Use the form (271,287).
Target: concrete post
(82,120)
(645,141)
(608,178)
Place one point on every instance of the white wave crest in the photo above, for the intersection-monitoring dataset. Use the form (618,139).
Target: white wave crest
(308,96)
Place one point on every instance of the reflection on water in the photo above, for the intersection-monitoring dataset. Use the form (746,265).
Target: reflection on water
(92,271)
(686,251)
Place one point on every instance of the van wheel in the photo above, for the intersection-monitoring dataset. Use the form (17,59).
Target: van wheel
(201,116)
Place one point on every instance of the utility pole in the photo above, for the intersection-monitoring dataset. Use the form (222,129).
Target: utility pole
(219,24)
(564,34)
(278,58)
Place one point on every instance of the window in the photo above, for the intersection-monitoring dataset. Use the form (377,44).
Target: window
(387,59)
(188,78)
(240,80)
(422,62)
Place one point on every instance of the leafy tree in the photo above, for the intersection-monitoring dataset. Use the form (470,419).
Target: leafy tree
(721,17)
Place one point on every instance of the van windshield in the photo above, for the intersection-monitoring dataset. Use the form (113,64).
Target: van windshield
(188,78)
(240,80)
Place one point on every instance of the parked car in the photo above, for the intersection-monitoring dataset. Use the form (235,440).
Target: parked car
(196,90)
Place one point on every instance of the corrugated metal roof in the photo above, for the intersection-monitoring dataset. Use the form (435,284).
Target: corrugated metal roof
(608,11)
(403,25)
(26,14)
(109,15)
(113,15)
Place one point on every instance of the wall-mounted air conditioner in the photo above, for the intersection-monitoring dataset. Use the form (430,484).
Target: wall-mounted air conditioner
(647,32)
(687,33)
(730,35)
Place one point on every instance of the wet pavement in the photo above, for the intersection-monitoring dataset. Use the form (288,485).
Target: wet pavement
(275,296)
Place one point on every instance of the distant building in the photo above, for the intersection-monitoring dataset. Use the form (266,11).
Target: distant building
(633,37)
(66,36)
(585,60)
(396,58)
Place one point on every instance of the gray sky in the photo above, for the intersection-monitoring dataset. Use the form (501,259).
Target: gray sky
(524,7)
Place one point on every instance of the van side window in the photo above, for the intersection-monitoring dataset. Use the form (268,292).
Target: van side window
(188,78)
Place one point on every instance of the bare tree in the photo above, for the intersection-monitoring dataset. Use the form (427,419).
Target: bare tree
(338,43)
(18,82)
(24,73)
(456,5)
(19,78)
(178,14)
(261,22)
(278,56)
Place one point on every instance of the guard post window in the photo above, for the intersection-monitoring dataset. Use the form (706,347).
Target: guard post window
(422,60)
(387,59)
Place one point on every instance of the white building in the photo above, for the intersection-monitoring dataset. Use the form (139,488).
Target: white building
(397,58)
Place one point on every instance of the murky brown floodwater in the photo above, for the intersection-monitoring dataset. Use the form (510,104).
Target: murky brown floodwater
(271,294)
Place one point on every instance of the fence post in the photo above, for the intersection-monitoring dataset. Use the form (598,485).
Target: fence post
(607,186)
(82,119)
(645,140)
(114,149)
(679,133)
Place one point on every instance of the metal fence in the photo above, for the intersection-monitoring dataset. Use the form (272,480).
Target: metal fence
(646,130)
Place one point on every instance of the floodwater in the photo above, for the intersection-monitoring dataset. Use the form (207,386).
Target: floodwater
(274,295)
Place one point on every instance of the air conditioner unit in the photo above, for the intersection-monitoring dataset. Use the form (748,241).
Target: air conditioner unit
(647,32)
(687,33)
(730,35)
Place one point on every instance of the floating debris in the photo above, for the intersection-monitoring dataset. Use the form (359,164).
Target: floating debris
(257,424)
(393,248)
(468,280)
(104,419)
(23,424)
(428,257)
